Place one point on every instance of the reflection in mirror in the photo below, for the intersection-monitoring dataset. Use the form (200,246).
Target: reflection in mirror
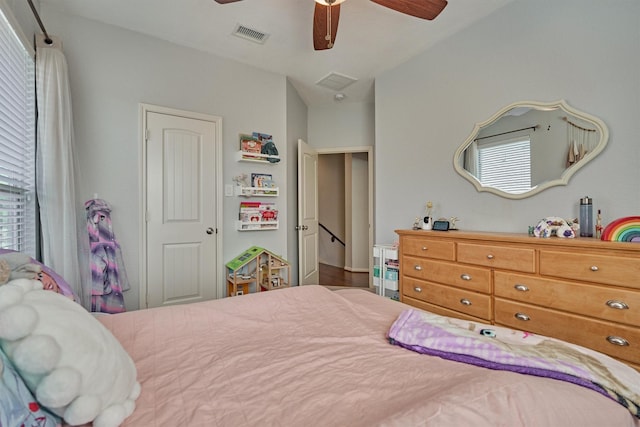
(529,146)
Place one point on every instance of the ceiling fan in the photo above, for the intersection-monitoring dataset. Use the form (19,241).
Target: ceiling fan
(327,14)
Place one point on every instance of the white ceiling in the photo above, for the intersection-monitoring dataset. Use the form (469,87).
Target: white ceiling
(370,38)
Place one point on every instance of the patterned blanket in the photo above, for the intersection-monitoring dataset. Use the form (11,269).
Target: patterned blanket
(496,347)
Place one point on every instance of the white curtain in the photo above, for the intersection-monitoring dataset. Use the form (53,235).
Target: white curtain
(55,165)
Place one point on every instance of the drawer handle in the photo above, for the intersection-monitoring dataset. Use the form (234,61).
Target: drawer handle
(417,289)
(465,277)
(617,304)
(522,316)
(465,301)
(594,268)
(424,248)
(617,341)
(490,256)
(521,287)
(417,267)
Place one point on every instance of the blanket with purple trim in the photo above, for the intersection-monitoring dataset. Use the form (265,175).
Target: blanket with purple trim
(501,348)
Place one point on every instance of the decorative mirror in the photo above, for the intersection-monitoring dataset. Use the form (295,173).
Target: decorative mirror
(529,146)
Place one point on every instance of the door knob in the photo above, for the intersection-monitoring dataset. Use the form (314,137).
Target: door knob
(210,230)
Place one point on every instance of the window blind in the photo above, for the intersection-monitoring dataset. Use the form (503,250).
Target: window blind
(506,165)
(17,141)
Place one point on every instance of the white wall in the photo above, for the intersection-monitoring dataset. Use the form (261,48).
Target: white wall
(113,70)
(359,212)
(586,52)
(342,124)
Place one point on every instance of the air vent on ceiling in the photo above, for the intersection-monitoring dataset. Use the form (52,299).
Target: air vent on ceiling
(250,34)
(336,81)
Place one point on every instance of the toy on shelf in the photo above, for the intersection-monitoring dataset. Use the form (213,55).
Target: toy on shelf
(256,270)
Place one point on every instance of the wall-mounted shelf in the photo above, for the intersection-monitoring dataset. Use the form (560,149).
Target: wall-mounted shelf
(257,216)
(244,156)
(257,191)
(257,225)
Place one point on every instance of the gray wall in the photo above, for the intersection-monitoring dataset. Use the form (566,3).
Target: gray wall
(113,70)
(22,12)
(345,124)
(585,52)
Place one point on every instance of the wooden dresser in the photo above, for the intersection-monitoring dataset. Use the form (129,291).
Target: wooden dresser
(581,290)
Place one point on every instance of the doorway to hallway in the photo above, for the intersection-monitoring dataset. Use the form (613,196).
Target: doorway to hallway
(344,213)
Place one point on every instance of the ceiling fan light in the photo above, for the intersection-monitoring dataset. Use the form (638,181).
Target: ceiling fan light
(329,2)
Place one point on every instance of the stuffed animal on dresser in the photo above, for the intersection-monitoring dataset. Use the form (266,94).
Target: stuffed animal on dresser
(555,226)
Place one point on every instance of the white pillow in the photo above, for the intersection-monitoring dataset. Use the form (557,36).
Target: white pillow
(75,367)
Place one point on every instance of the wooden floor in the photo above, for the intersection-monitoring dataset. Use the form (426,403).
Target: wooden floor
(337,276)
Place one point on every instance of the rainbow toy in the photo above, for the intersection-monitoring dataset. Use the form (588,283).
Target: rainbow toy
(625,229)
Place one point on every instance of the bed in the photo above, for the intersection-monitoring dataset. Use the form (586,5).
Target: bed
(309,356)
(301,356)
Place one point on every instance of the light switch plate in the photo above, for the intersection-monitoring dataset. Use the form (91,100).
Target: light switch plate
(228,190)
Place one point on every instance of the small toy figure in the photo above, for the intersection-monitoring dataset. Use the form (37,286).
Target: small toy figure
(241,180)
(452,222)
(598,225)
(416,224)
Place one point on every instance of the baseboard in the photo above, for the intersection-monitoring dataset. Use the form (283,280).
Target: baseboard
(356,270)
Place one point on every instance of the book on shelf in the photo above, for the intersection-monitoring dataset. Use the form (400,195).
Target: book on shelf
(258,212)
(251,147)
(261,180)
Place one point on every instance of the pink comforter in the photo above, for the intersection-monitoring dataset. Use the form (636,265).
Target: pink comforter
(307,356)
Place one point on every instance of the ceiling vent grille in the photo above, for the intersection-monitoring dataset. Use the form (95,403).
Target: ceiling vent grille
(336,81)
(250,34)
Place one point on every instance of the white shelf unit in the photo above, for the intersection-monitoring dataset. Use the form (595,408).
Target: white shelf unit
(257,191)
(257,225)
(244,156)
(386,270)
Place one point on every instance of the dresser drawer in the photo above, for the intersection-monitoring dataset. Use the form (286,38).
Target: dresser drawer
(423,247)
(473,278)
(607,303)
(471,303)
(599,335)
(609,269)
(436,309)
(506,257)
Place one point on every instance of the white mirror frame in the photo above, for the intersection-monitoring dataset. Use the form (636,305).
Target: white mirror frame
(545,106)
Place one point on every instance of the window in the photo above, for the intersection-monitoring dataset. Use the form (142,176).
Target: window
(506,165)
(17,139)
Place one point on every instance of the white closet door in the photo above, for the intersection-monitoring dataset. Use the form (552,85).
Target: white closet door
(181,214)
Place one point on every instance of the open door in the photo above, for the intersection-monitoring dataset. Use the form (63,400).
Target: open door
(307,214)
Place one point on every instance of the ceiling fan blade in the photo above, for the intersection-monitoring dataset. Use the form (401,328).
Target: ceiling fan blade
(226,1)
(424,9)
(320,27)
